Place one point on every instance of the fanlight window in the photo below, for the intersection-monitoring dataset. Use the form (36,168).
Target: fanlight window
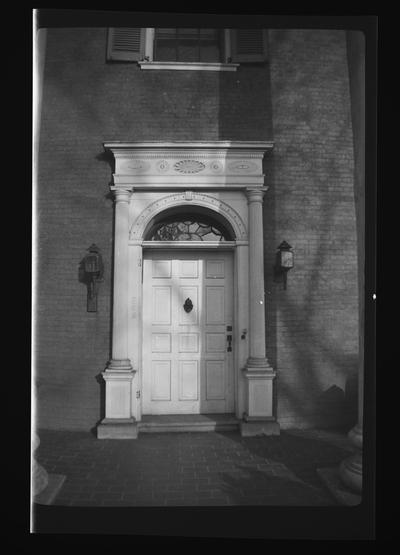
(191,229)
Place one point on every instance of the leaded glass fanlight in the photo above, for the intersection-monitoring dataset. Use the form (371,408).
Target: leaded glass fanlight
(188,228)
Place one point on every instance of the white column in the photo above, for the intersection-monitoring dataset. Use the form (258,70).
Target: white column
(256,266)
(258,418)
(118,422)
(120,360)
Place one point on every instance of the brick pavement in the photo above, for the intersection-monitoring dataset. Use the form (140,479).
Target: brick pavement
(181,469)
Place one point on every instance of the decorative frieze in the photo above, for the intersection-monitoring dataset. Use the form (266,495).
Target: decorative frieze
(188,166)
(219,163)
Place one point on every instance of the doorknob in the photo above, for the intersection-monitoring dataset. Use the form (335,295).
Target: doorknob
(229,338)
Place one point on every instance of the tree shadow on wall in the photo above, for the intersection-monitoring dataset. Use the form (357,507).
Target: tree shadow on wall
(332,406)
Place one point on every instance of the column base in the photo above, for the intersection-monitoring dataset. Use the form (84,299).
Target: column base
(119,365)
(259,393)
(117,428)
(258,363)
(253,426)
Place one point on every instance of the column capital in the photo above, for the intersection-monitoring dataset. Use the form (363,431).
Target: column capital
(121,194)
(255,194)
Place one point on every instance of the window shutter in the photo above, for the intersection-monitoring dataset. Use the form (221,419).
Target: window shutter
(126,44)
(249,45)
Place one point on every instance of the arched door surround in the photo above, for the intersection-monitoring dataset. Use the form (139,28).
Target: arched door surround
(172,199)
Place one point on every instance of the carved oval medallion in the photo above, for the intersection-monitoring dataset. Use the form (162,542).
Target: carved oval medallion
(189,166)
(137,165)
(243,166)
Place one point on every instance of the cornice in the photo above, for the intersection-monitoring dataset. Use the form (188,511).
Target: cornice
(119,146)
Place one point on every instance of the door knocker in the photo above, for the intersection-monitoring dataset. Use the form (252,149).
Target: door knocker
(188,306)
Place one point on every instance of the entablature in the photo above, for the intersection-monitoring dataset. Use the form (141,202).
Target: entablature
(217,164)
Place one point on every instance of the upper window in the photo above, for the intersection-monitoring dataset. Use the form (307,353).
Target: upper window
(188,45)
(187,48)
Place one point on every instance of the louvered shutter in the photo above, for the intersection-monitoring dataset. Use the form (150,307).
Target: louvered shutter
(249,45)
(126,43)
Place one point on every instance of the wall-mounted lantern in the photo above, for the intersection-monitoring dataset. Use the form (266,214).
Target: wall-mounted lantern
(93,275)
(284,262)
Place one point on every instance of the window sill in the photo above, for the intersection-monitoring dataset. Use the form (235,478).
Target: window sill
(192,66)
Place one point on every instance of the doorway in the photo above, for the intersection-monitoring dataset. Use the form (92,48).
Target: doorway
(188,312)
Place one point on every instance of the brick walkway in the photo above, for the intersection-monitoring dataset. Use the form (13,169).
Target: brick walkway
(181,469)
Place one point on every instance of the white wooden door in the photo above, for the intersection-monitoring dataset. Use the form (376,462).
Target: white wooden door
(187,367)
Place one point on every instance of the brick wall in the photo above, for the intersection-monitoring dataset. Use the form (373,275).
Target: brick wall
(313,334)
(312,327)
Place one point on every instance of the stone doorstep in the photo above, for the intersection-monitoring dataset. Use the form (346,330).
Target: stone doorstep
(188,423)
(117,429)
(168,428)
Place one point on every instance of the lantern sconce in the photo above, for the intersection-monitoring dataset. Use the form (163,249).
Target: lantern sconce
(284,262)
(93,274)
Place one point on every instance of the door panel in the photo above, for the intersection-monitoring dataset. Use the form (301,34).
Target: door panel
(161,380)
(215,380)
(161,269)
(186,365)
(215,343)
(188,342)
(189,268)
(161,297)
(188,380)
(215,305)
(215,269)
(161,342)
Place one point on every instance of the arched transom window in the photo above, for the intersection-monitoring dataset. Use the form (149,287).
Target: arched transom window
(189,227)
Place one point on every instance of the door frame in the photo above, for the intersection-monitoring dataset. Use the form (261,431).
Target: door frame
(208,247)
(240,323)
(152,205)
